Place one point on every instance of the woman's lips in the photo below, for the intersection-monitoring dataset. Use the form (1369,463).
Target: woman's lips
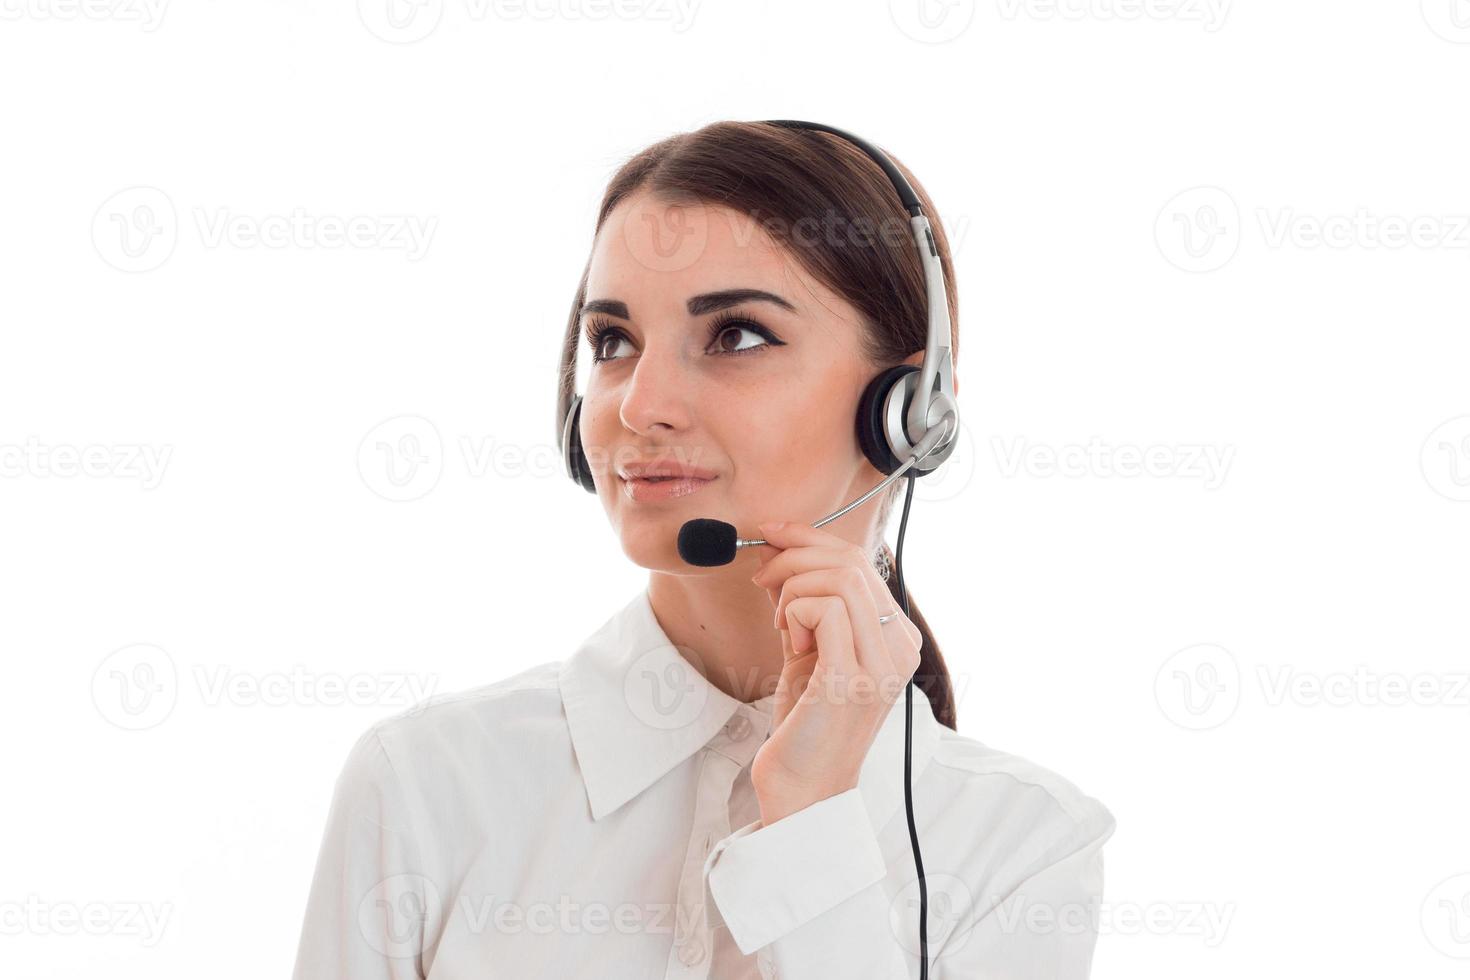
(645,491)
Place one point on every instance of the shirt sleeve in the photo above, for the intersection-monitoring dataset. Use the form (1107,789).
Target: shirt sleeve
(807,894)
(1045,928)
(369,906)
(809,886)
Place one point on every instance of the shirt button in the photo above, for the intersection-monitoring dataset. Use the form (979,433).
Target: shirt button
(737,728)
(691,952)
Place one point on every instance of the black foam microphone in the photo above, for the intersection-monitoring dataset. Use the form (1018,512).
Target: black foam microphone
(707,541)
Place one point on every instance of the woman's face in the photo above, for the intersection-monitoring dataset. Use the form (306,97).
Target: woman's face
(763,405)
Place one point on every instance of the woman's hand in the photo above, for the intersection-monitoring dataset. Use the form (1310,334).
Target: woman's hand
(843,670)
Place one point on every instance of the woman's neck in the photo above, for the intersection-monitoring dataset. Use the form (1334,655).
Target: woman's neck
(723,625)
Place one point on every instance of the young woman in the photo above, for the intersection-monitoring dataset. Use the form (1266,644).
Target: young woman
(712,784)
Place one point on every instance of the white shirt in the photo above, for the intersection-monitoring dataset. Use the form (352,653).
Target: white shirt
(594,817)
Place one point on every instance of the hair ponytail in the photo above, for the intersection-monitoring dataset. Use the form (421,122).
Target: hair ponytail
(932,675)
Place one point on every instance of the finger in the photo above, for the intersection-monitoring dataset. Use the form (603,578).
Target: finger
(787,534)
(795,670)
(763,552)
(774,573)
(803,558)
(846,584)
(911,631)
(821,622)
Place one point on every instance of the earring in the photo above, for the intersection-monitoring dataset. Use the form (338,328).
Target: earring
(881,564)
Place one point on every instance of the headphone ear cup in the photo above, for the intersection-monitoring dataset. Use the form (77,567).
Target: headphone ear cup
(870,431)
(572,455)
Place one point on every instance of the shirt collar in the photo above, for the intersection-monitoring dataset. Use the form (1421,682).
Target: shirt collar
(636,707)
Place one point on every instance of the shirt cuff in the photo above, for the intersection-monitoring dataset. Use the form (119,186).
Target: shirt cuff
(767,881)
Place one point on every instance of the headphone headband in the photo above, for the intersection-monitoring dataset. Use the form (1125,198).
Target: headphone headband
(900,182)
(904,428)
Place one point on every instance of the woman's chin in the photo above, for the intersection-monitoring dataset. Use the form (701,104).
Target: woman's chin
(654,544)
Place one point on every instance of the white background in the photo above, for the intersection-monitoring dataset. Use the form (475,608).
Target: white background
(1231,231)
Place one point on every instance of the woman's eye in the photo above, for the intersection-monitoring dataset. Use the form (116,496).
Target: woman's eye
(723,344)
(600,350)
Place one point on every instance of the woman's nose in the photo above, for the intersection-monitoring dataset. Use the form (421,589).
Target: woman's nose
(658,392)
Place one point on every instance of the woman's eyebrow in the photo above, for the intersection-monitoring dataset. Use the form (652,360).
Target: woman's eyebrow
(698,305)
(611,307)
(710,302)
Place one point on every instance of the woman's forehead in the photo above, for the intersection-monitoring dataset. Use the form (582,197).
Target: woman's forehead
(662,252)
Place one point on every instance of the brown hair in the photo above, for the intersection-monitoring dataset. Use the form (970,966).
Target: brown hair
(785,180)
